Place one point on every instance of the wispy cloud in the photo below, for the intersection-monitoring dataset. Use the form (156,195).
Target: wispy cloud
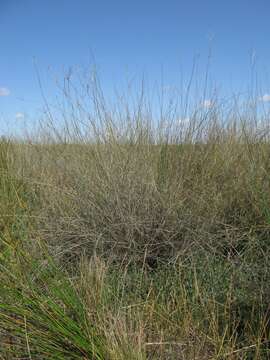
(265,98)
(183,121)
(207,104)
(19,115)
(4,91)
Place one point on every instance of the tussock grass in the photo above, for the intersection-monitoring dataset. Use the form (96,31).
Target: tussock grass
(125,236)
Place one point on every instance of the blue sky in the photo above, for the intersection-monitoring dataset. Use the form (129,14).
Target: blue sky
(150,37)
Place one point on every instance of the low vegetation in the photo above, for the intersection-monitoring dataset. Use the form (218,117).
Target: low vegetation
(125,236)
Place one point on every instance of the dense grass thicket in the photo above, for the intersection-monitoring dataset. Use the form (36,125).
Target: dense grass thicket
(127,234)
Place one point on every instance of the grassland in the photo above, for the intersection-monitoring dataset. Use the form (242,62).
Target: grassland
(123,238)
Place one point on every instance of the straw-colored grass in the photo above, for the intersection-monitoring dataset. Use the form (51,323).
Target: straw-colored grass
(123,238)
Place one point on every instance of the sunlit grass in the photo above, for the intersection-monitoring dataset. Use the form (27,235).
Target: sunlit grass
(133,243)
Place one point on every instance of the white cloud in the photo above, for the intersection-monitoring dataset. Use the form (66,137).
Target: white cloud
(265,98)
(19,115)
(207,104)
(184,121)
(4,91)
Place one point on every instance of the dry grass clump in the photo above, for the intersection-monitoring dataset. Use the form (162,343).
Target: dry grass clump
(125,236)
(119,181)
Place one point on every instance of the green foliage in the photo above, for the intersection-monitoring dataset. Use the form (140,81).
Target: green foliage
(41,314)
